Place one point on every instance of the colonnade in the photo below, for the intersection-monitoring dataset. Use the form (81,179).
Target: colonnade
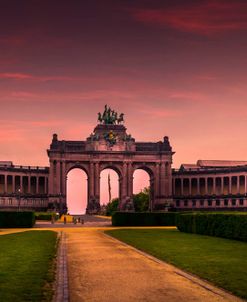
(12,183)
(209,185)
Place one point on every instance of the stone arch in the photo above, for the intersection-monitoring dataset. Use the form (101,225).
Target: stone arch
(148,168)
(72,166)
(115,167)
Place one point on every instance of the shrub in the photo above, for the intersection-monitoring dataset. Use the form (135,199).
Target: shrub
(230,225)
(17,219)
(141,201)
(143,219)
(112,207)
(45,216)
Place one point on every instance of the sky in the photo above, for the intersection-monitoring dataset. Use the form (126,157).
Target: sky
(175,68)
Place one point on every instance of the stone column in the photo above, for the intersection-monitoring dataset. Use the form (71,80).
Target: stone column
(123,187)
(159,179)
(37,185)
(97,181)
(230,184)
(198,185)
(214,185)
(130,181)
(151,195)
(238,184)
(51,178)
(245,184)
(29,184)
(182,186)
(206,185)
(91,180)
(58,188)
(13,184)
(222,185)
(45,185)
(63,178)
(190,191)
(21,183)
(162,176)
(5,183)
(124,182)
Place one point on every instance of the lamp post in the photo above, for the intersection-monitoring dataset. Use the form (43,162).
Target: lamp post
(19,198)
(60,203)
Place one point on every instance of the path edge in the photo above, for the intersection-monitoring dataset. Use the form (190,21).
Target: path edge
(193,278)
(61,285)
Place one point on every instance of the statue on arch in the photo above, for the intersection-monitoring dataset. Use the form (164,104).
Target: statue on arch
(100,118)
(121,118)
(110,117)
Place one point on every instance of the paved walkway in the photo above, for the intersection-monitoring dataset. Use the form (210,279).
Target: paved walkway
(102,269)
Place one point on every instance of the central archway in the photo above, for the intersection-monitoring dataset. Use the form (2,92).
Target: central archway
(109,186)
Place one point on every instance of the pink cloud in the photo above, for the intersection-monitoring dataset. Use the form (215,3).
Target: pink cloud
(15,76)
(23,94)
(26,76)
(209,17)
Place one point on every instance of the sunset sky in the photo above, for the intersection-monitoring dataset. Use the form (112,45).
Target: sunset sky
(175,68)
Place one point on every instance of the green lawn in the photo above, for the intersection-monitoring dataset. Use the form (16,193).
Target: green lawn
(27,266)
(221,261)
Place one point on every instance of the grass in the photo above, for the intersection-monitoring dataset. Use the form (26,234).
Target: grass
(27,266)
(220,261)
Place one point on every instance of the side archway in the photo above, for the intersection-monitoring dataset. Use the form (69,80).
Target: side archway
(143,188)
(77,191)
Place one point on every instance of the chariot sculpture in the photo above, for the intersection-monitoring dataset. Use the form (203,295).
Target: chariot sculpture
(110,117)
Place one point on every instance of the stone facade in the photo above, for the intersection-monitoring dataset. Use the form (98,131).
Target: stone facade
(23,187)
(214,184)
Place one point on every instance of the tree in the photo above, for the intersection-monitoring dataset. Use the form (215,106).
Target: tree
(112,206)
(141,200)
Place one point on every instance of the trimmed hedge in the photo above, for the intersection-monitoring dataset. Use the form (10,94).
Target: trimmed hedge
(231,226)
(143,219)
(17,219)
(44,216)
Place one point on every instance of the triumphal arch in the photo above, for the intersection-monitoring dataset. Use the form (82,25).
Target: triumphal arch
(110,146)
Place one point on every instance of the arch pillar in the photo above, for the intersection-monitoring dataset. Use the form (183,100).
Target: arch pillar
(126,187)
(97,181)
(93,205)
(152,194)
(130,182)
(123,187)
(51,178)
